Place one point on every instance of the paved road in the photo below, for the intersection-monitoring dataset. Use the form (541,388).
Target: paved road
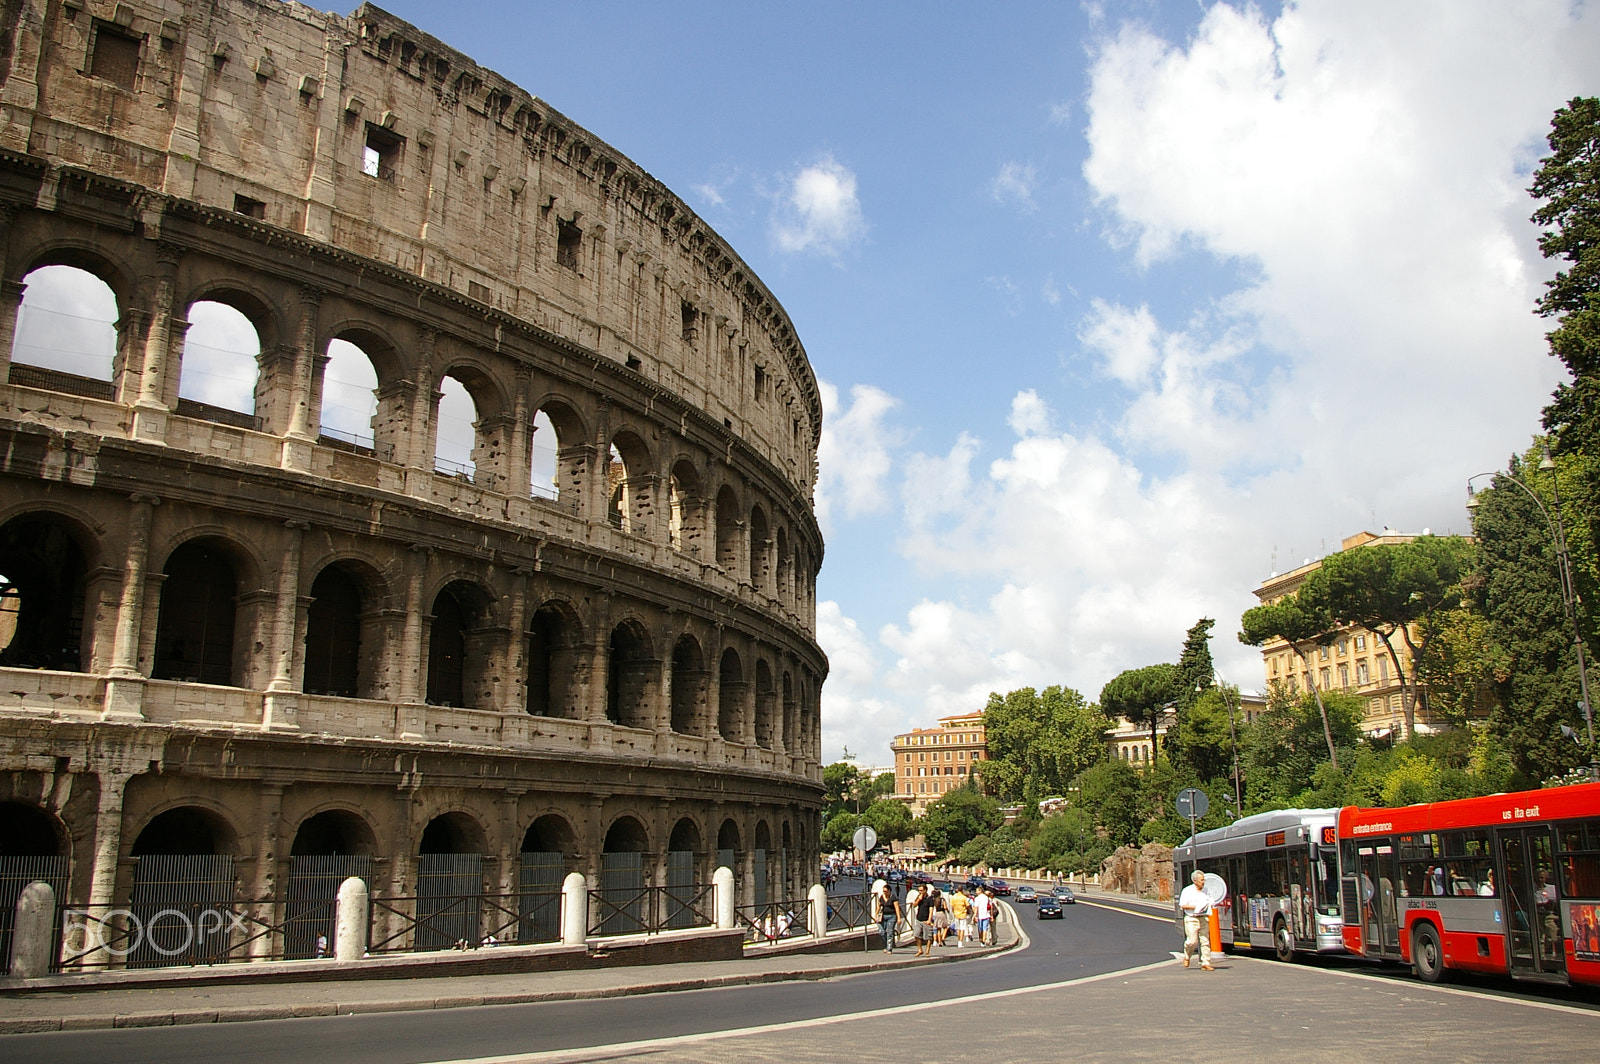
(1098,985)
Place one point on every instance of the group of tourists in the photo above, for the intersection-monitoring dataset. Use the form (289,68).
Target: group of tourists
(933,914)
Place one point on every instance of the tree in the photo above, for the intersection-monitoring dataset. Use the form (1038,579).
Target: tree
(1284,750)
(1204,740)
(1139,695)
(839,832)
(838,788)
(1303,622)
(1109,794)
(890,818)
(957,817)
(1196,672)
(1390,588)
(1568,184)
(1038,743)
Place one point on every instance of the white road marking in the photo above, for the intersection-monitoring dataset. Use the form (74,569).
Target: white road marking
(1127,912)
(553,1056)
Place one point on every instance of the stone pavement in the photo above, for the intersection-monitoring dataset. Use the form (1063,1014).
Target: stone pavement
(135,1006)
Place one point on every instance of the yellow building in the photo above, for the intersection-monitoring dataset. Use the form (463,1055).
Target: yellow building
(931,761)
(1354,660)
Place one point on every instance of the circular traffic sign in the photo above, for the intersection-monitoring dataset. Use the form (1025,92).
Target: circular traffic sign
(865,838)
(1192,801)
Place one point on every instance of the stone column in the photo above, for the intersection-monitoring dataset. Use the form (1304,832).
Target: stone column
(265,891)
(124,695)
(10,303)
(299,438)
(424,404)
(150,409)
(600,677)
(107,850)
(519,466)
(514,691)
(409,714)
(281,705)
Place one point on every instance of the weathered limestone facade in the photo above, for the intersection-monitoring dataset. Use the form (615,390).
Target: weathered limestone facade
(408,661)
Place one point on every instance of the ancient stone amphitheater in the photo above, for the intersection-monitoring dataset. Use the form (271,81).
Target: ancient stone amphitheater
(430,498)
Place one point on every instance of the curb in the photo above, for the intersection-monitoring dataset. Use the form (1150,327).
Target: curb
(247,1013)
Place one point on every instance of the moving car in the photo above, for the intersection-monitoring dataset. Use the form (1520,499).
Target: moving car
(1026,894)
(1063,894)
(1049,907)
(999,888)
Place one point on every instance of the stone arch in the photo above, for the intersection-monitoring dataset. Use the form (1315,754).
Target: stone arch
(459,655)
(729,530)
(486,440)
(452,832)
(554,635)
(728,835)
(690,686)
(332,832)
(188,830)
(686,509)
(565,459)
(70,324)
(550,833)
(28,830)
(630,483)
(339,620)
(358,392)
(730,696)
(200,635)
(45,560)
(685,836)
(630,675)
(767,723)
(626,834)
(220,366)
(760,548)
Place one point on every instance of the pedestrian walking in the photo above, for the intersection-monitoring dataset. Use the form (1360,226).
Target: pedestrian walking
(961,913)
(983,914)
(886,912)
(922,919)
(1196,906)
(941,916)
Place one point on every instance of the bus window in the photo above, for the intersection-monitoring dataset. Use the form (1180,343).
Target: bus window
(1258,877)
(1325,871)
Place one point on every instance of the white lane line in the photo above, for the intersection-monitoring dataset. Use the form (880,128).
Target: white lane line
(1127,912)
(552,1056)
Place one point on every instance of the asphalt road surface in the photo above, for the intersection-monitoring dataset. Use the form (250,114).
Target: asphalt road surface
(1100,984)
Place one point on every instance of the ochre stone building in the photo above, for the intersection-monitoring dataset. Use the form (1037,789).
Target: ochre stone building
(931,761)
(244,640)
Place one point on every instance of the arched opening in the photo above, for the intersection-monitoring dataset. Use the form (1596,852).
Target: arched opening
(628,484)
(221,362)
(333,635)
(543,868)
(350,398)
(195,629)
(449,882)
(760,865)
(328,848)
(43,587)
(760,548)
(551,655)
(618,513)
(183,887)
(27,831)
(544,463)
(686,513)
(31,850)
(456,434)
(728,530)
(622,896)
(683,872)
(689,687)
(66,327)
(629,677)
(766,706)
(457,658)
(728,848)
(730,697)
(786,862)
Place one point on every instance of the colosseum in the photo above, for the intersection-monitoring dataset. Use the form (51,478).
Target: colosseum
(395,481)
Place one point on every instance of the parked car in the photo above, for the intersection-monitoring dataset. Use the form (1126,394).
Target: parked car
(1026,894)
(999,888)
(1063,893)
(917,875)
(1049,907)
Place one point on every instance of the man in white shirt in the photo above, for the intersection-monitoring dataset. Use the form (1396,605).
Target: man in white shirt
(1196,906)
(983,910)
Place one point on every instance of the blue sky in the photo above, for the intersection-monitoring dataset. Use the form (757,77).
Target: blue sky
(1117,308)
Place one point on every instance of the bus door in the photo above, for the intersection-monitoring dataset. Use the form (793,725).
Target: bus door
(1241,902)
(1380,931)
(1536,943)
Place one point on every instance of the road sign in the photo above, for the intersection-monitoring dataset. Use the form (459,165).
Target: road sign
(865,838)
(1193,803)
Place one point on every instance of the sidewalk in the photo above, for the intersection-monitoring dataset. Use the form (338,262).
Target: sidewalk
(133,1006)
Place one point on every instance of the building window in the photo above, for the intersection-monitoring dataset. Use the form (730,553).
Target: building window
(691,320)
(114,56)
(1383,670)
(761,389)
(250,208)
(1361,642)
(568,239)
(1344,647)
(1322,653)
(381,157)
(1327,680)
(1361,673)
(1344,676)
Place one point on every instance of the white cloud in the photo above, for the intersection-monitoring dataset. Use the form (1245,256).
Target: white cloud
(852,714)
(711,194)
(1029,414)
(1060,114)
(1015,184)
(819,211)
(853,459)
(1049,292)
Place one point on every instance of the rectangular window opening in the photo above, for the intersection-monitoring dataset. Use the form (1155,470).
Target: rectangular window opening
(381,156)
(691,321)
(568,239)
(114,56)
(250,208)
(761,383)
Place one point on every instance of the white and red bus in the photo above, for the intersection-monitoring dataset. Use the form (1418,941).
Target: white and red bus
(1508,884)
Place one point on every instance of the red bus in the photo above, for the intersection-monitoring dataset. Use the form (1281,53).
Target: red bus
(1508,884)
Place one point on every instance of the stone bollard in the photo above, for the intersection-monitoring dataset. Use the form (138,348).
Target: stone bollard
(574,910)
(818,895)
(350,923)
(32,937)
(722,888)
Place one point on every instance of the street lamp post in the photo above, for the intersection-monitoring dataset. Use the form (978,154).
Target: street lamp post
(1569,594)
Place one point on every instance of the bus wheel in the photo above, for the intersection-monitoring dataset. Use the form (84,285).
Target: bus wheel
(1282,941)
(1426,956)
